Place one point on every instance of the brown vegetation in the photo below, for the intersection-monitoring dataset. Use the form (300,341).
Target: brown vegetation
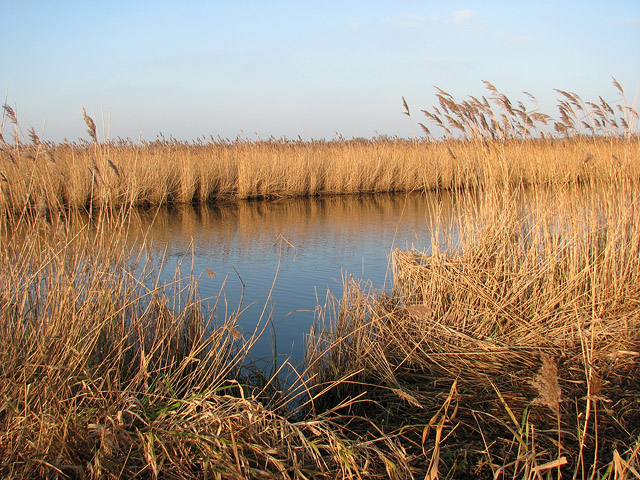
(489,141)
(527,319)
(511,349)
(107,373)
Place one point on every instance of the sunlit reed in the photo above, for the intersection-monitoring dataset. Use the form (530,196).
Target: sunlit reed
(510,350)
(486,140)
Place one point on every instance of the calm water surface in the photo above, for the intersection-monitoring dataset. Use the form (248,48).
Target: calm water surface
(301,247)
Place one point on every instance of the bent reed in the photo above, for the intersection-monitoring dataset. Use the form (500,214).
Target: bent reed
(509,350)
(487,141)
(107,373)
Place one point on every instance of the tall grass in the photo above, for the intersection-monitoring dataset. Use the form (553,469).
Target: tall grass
(107,373)
(526,320)
(510,350)
(486,140)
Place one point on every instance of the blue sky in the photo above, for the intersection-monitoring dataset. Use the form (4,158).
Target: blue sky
(289,68)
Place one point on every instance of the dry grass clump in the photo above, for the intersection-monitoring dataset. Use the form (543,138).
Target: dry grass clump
(487,141)
(106,373)
(511,349)
(514,350)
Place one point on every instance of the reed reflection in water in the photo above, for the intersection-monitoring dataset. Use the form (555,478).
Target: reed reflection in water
(303,247)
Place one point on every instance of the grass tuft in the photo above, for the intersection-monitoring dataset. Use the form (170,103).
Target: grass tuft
(509,350)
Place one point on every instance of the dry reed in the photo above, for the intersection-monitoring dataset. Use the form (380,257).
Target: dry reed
(486,140)
(531,310)
(510,350)
(107,373)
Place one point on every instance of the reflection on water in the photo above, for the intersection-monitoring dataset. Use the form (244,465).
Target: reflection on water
(305,245)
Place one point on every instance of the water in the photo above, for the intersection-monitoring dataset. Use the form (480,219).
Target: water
(298,248)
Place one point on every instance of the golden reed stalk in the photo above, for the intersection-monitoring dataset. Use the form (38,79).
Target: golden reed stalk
(486,142)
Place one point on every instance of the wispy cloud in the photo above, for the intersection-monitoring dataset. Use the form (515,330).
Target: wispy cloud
(629,22)
(406,21)
(465,21)
(459,18)
(463,17)
(507,38)
(468,19)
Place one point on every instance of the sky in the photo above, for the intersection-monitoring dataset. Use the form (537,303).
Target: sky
(255,69)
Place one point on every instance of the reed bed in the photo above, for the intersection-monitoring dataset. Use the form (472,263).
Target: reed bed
(509,350)
(107,373)
(512,349)
(486,140)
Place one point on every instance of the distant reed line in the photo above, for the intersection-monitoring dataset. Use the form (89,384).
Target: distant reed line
(509,350)
(486,141)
